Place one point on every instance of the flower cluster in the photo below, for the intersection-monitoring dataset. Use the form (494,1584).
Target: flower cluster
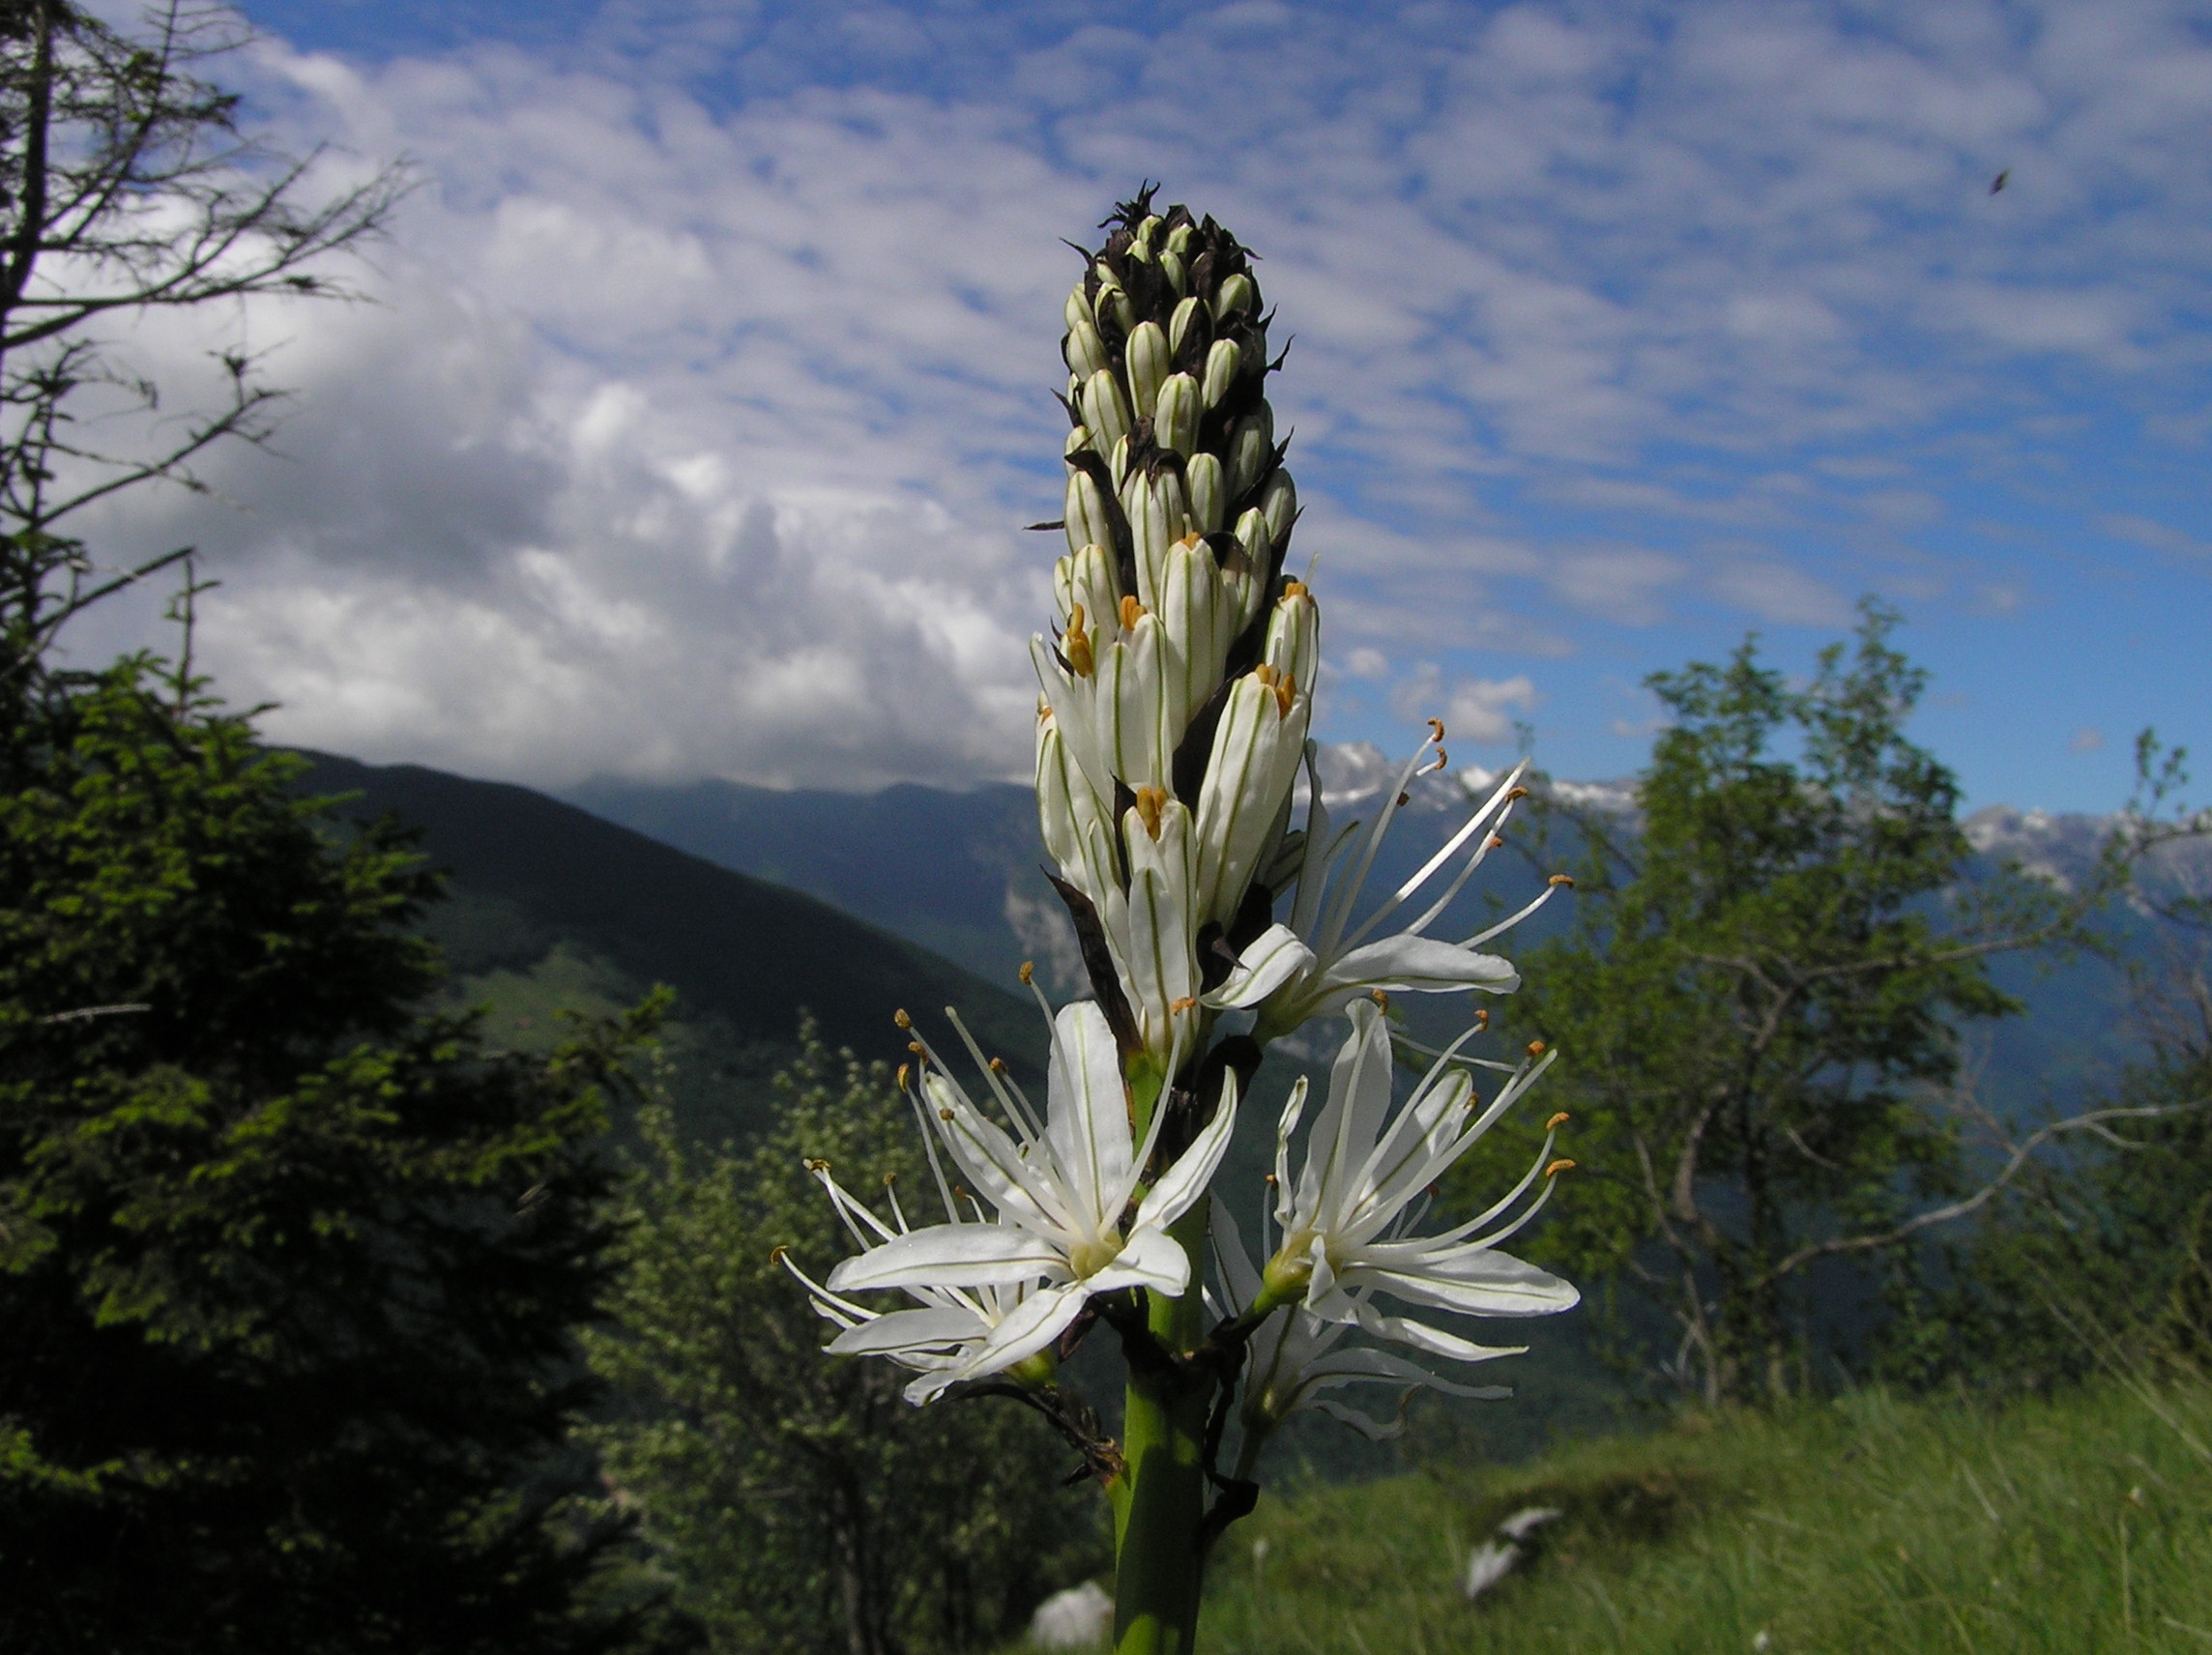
(1172,729)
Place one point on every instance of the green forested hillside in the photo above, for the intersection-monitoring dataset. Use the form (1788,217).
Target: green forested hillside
(555,908)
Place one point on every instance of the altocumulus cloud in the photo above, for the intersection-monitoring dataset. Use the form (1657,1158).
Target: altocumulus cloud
(692,429)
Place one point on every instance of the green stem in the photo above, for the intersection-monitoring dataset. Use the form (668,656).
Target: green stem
(1158,1567)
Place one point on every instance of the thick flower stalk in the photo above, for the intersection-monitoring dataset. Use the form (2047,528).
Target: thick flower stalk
(1172,728)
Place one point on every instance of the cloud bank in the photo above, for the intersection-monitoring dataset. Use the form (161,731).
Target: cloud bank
(708,379)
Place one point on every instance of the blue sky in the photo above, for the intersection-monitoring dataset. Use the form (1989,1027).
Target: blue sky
(710,373)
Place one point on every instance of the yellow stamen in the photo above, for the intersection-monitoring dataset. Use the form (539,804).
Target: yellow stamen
(1562,1165)
(1537,1048)
(890,1178)
(1179,1007)
(917,1048)
(1026,972)
(776,1257)
(1567,880)
(1494,842)
(998,1065)
(1517,793)
(903,1070)
(1285,693)
(815,1164)
(900,1018)
(945,1114)
(1481,1018)
(1265,672)
(1192,540)
(1132,612)
(1380,998)
(1294,588)
(1558,1120)
(1075,643)
(1150,800)
(1436,727)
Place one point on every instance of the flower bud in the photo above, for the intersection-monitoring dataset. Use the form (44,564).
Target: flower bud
(1147,360)
(1250,446)
(1293,639)
(1104,408)
(1173,267)
(1178,324)
(1077,311)
(1234,297)
(1221,362)
(1149,228)
(1078,440)
(1087,580)
(1208,488)
(1117,462)
(1160,516)
(1087,520)
(1280,504)
(1179,238)
(1084,350)
(1175,417)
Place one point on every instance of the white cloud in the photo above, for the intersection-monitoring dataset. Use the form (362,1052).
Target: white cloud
(1477,710)
(695,425)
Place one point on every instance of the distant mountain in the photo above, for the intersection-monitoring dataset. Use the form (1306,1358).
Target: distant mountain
(555,907)
(957,871)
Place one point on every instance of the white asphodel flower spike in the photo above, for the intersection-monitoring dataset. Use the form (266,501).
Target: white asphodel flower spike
(1293,1359)
(1060,1195)
(1346,1222)
(1320,957)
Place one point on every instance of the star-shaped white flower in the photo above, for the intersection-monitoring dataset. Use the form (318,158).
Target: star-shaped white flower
(1060,1195)
(1312,962)
(1346,1222)
(1293,1359)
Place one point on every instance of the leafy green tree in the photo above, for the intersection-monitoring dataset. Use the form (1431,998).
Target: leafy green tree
(289,1273)
(802,1503)
(1759,1002)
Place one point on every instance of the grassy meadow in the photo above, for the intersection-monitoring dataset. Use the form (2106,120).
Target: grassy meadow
(2073,1524)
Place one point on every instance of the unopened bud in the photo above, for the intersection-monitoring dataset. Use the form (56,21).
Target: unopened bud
(1077,308)
(1252,534)
(1086,518)
(1220,370)
(1175,417)
(1149,368)
(1281,505)
(1175,270)
(1208,487)
(1249,447)
(1078,440)
(1179,323)
(1234,297)
(1083,350)
(1105,410)
(1179,238)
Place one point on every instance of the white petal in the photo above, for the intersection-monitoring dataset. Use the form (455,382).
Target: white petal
(1239,1276)
(1151,1258)
(1422,965)
(1270,960)
(1477,1283)
(1087,1114)
(950,1256)
(907,1330)
(1183,1183)
(1035,1323)
(1431,1341)
(1373,1430)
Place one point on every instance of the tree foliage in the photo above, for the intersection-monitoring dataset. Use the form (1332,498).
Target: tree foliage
(1757,1003)
(289,1273)
(804,1504)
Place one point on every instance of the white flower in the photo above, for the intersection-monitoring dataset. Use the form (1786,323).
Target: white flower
(1346,1223)
(1292,1360)
(1318,958)
(940,1338)
(1061,1196)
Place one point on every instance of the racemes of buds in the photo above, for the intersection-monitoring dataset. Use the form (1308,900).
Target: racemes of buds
(1179,679)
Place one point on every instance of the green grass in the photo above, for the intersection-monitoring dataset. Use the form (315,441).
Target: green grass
(1869,1524)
